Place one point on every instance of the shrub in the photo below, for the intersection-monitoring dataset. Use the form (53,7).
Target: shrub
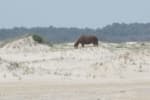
(38,38)
(41,39)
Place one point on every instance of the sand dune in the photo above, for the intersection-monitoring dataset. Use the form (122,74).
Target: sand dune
(25,60)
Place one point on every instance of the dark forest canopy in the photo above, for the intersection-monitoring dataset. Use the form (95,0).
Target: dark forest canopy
(116,32)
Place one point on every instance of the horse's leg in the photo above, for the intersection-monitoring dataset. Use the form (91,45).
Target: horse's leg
(95,44)
(82,44)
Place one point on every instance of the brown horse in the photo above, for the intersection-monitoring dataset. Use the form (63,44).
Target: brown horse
(86,39)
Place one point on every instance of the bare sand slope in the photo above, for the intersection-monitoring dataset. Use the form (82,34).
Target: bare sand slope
(62,90)
(121,61)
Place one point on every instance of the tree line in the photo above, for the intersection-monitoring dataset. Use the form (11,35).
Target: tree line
(116,32)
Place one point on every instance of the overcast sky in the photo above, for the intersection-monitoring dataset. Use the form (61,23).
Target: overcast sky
(72,13)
